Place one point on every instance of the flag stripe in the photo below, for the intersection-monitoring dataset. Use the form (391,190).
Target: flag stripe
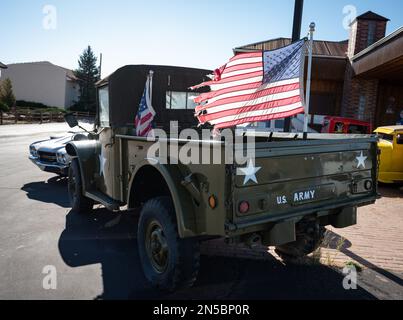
(232,91)
(240,97)
(253,107)
(257,113)
(239,56)
(243,67)
(243,61)
(219,86)
(241,72)
(279,115)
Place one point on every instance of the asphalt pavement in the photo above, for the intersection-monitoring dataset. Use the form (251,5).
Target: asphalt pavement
(95,256)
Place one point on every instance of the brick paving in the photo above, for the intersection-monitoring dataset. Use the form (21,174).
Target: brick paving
(376,242)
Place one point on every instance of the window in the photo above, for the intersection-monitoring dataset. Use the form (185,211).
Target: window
(103,98)
(339,127)
(180,100)
(356,129)
(279,124)
(361,107)
(371,33)
(399,139)
(384,136)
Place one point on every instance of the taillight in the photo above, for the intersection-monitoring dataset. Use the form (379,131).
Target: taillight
(243,207)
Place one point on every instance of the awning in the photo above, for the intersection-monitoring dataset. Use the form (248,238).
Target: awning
(382,60)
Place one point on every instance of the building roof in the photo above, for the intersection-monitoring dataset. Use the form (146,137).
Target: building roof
(369,15)
(336,49)
(389,129)
(383,59)
(3,66)
(69,73)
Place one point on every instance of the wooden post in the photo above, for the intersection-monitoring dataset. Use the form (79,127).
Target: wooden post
(1,117)
(15,116)
(51,116)
(40,114)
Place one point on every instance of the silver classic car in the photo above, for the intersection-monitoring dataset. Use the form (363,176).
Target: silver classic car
(50,155)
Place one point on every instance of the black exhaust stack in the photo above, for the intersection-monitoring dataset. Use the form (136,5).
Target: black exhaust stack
(296,35)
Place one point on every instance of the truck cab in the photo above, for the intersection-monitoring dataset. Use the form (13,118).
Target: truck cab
(391,160)
(345,126)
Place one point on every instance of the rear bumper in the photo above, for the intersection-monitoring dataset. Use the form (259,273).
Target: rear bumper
(57,168)
(243,227)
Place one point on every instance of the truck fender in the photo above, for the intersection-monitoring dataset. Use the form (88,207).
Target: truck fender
(183,203)
(85,152)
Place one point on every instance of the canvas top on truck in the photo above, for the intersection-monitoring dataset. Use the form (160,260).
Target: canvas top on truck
(170,94)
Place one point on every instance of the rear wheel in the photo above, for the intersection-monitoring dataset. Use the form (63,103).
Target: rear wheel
(168,262)
(78,202)
(309,237)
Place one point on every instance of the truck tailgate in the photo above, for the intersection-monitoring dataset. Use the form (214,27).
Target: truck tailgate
(306,176)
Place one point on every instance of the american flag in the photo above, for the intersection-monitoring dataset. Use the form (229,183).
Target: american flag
(254,87)
(145,114)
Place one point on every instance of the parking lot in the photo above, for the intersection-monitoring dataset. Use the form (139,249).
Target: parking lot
(95,256)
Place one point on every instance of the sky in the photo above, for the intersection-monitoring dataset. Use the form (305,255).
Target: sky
(186,33)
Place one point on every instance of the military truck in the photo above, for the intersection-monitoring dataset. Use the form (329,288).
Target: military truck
(294,188)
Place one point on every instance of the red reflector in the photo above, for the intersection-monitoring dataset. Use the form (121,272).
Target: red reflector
(244,207)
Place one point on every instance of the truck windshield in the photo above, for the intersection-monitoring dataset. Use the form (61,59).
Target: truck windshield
(103,98)
(387,137)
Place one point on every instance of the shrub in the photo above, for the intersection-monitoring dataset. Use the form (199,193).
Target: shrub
(6,93)
(4,107)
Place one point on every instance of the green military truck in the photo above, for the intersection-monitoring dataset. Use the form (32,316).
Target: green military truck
(285,198)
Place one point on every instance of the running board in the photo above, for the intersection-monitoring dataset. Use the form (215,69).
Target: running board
(103,199)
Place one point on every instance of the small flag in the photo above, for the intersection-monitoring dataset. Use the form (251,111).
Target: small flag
(145,114)
(253,87)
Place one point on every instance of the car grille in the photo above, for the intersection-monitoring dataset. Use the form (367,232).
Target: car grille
(47,157)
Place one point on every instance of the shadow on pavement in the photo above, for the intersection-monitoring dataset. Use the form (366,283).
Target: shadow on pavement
(53,190)
(391,190)
(337,242)
(109,239)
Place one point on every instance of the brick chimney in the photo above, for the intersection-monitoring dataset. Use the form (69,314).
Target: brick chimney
(365,30)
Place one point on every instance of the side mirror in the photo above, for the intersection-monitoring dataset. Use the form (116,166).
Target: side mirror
(71,120)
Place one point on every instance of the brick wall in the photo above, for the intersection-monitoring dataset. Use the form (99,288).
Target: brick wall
(360,95)
(363,31)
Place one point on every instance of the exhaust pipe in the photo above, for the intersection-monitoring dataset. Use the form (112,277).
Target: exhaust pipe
(254,240)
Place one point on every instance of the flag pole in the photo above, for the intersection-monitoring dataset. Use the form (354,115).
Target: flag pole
(150,89)
(308,83)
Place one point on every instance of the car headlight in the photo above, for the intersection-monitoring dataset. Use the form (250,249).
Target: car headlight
(62,158)
(33,151)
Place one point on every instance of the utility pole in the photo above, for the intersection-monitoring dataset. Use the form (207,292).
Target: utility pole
(296,35)
(100,66)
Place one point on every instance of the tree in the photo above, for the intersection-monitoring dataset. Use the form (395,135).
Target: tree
(7,97)
(87,75)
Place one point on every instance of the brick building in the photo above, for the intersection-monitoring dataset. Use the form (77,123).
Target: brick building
(361,77)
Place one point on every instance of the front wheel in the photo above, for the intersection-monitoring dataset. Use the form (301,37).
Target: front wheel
(168,262)
(78,202)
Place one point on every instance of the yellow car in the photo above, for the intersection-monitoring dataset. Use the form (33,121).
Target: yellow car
(391,146)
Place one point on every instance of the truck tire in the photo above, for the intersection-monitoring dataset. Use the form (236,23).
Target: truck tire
(309,237)
(168,262)
(78,202)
